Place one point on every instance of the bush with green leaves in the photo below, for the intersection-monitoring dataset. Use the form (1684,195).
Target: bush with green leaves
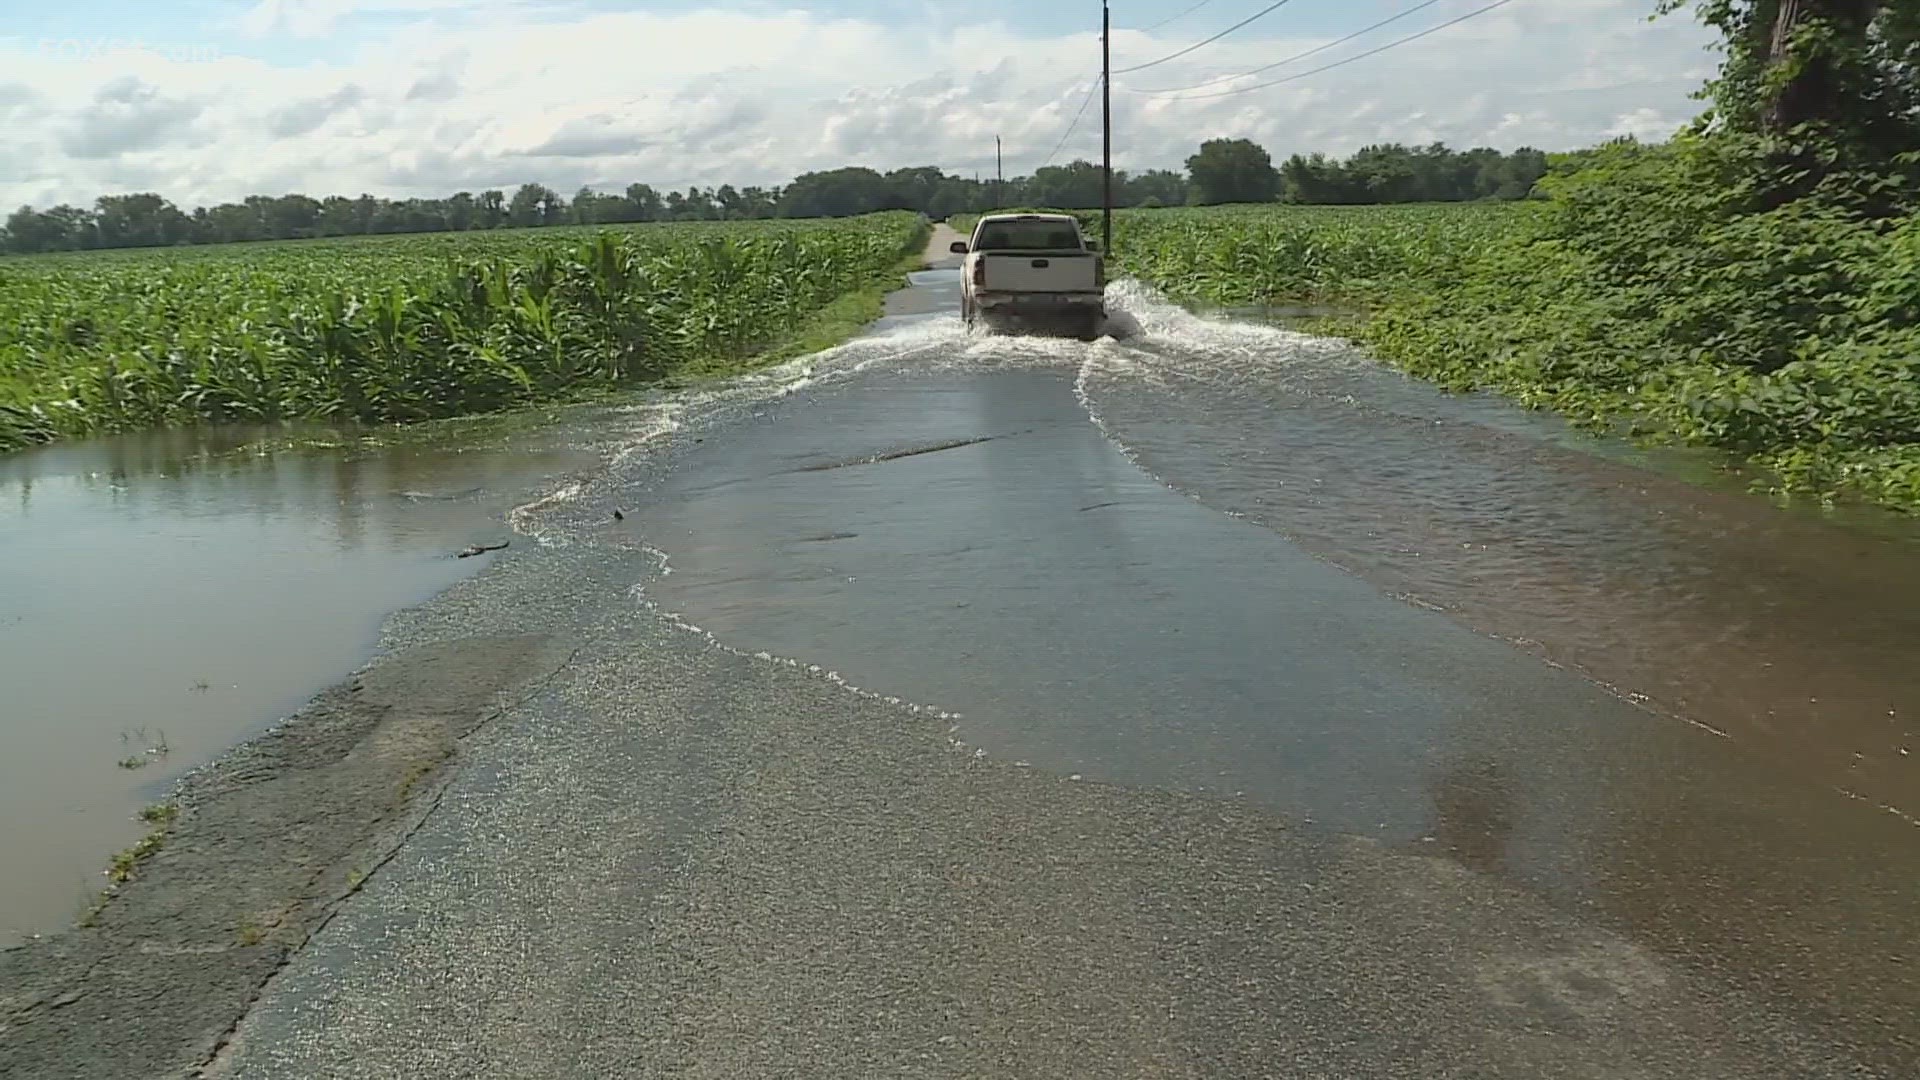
(408,328)
(1657,291)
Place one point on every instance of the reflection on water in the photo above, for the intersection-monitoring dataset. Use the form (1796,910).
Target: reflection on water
(164,594)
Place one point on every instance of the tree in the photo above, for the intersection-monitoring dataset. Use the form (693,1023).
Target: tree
(953,196)
(915,188)
(586,207)
(288,217)
(698,205)
(231,223)
(643,203)
(61,228)
(460,211)
(839,193)
(528,207)
(1078,185)
(1232,171)
(1162,187)
(492,209)
(1392,173)
(143,220)
(758,202)
(1827,86)
(1236,169)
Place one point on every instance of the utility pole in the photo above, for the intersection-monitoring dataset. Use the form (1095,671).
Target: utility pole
(1106,128)
(1000,176)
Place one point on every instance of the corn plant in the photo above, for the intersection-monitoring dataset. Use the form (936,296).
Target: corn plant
(406,328)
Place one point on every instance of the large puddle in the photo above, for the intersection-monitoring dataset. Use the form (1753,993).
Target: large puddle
(164,595)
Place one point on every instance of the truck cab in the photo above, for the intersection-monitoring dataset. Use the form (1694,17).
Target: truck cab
(1024,270)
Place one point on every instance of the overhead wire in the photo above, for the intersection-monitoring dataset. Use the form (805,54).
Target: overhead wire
(1172,18)
(1084,102)
(1388,21)
(1348,60)
(1262,13)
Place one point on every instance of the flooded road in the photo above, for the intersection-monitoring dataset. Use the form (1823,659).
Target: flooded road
(1414,735)
(164,595)
(1229,559)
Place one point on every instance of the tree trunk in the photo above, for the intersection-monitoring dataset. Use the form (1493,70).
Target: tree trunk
(1813,93)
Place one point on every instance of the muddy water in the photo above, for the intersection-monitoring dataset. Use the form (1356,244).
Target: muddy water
(164,595)
(1788,632)
(1609,677)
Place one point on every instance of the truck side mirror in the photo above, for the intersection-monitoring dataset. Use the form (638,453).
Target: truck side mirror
(1093,245)
(958,247)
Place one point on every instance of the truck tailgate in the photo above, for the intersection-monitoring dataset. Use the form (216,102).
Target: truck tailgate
(1072,271)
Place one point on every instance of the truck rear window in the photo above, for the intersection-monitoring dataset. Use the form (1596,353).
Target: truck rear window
(1028,236)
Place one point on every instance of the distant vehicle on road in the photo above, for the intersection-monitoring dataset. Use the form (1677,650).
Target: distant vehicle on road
(1032,270)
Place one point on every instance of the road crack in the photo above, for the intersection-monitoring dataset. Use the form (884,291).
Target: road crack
(895,455)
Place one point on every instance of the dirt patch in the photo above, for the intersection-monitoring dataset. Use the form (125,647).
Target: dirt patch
(265,845)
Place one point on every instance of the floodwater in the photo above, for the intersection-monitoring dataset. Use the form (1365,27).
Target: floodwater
(164,595)
(1232,559)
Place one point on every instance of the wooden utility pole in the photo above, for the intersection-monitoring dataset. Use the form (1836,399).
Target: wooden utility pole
(999,176)
(1106,128)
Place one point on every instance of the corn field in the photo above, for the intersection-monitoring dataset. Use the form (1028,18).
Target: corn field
(407,328)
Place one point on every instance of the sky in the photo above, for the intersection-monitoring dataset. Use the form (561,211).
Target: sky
(211,100)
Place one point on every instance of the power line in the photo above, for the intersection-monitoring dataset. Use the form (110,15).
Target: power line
(1262,13)
(1414,10)
(1084,102)
(1354,57)
(1174,18)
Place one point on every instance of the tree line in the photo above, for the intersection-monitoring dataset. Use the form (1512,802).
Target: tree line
(1225,170)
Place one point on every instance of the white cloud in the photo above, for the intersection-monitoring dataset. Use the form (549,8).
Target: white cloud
(454,96)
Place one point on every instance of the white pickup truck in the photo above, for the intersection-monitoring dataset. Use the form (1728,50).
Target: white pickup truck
(1026,269)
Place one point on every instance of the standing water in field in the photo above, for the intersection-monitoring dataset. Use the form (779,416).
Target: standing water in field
(166,594)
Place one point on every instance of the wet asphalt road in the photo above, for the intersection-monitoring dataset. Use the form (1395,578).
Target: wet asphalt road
(1211,807)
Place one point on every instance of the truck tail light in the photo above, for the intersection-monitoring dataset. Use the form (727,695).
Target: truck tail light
(1100,271)
(979,273)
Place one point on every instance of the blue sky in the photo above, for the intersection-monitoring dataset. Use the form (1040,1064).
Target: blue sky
(206,100)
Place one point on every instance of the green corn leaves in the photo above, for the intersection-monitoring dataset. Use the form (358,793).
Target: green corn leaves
(405,328)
